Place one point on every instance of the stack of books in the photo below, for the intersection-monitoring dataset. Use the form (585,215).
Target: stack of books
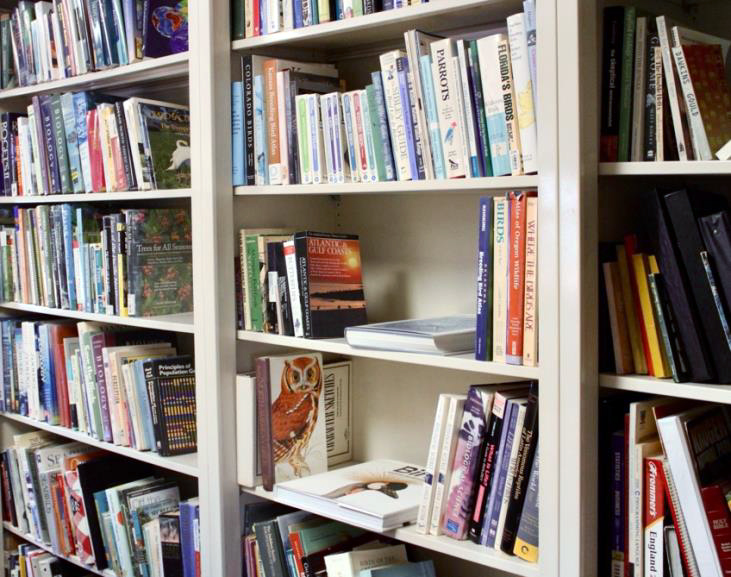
(31,561)
(64,38)
(85,142)
(665,487)
(482,469)
(135,262)
(104,510)
(667,292)
(443,108)
(666,93)
(278,541)
(302,284)
(125,387)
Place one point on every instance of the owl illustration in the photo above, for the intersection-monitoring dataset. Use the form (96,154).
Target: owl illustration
(295,412)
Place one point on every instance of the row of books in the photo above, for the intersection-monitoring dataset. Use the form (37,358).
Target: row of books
(104,510)
(281,542)
(321,424)
(666,90)
(507,280)
(135,262)
(443,108)
(303,284)
(482,469)
(668,291)
(85,142)
(126,387)
(64,38)
(665,487)
(26,560)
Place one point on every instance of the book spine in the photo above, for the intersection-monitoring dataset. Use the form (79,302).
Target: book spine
(637,135)
(516,278)
(672,87)
(660,103)
(369,136)
(469,112)
(72,142)
(509,106)
(97,344)
(530,303)
(494,105)
(264,417)
(59,133)
(719,519)
(272,126)
(248,119)
(450,128)
(649,148)
(260,134)
(716,297)
(317,151)
(375,133)
(653,519)
(625,94)
(305,169)
(523,92)
(432,120)
(611,81)
(290,260)
(359,136)
(282,125)
(395,112)
(423,520)
(478,103)
(124,146)
(300,243)
(483,331)
(238,159)
(500,279)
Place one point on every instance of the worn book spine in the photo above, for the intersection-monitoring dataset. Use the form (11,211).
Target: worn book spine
(264,418)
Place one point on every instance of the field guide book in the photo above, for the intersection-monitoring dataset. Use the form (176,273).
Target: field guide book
(377,495)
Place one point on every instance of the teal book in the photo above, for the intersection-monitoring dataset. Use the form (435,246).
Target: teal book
(237,134)
(72,141)
(420,569)
(430,103)
(59,138)
(376,132)
(385,135)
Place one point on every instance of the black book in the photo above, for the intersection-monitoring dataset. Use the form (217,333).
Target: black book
(661,240)
(129,169)
(48,141)
(6,136)
(524,464)
(650,144)
(172,558)
(247,76)
(612,42)
(716,233)
(668,328)
(110,288)
(59,139)
(286,324)
(690,244)
(271,549)
(100,474)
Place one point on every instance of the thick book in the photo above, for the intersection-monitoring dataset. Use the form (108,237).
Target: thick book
(497,130)
(166,133)
(438,335)
(378,495)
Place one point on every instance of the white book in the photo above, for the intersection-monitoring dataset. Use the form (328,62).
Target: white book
(317,152)
(370,146)
(511,118)
(448,107)
(247,456)
(423,520)
(444,472)
(395,113)
(701,146)
(681,461)
(288,16)
(290,261)
(274,16)
(15,483)
(341,146)
(25,157)
(37,169)
(104,140)
(350,136)
(530,298)
(23,443)
(672,87)
(57,35)
(500,280)
(352,563)
(283,137)
(497,129)
(523,89)
(328,137)
(303,138)
(468,114)
(136,141)
(638,97)
(361,162)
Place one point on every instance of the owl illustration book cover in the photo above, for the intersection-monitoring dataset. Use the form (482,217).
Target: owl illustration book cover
(298,444)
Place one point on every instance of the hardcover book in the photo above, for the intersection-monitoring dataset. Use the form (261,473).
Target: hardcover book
(166,27)
(166,133)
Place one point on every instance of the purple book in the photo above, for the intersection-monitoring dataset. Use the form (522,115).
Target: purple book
(492,513)
(466,461)
(166,28)
(402,67)
(618,492)
(98,342)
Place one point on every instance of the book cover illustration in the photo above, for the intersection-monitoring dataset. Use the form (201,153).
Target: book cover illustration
(168,133)
(167,28)
(160,261)
(298,416)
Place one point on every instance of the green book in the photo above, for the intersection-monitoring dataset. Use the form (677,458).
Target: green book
(320,537)
(238,20)
(376,129)
(254,286)
(625,96)
(59,136)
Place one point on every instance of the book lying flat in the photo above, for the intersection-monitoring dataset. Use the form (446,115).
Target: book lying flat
(377,495)
(437,335)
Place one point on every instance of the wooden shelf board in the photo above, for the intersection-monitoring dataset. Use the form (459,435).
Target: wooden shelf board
(180,323)
(340,347)
(644,384)
(388,25)
(72,559)
(99,197)
(185,464)
(495,184)
(173,66)
(465,550)
(668,168)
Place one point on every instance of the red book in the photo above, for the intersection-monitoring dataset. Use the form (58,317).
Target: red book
(299,554)
(630,246)
(516,278)
(58,334)
(95,152)
(719,518)
(255,17)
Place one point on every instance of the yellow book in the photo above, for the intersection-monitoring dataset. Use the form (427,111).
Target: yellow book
(122,277)
(635,336)
(643,267)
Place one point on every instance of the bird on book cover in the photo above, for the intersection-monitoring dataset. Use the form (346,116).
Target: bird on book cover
(295,412)
(380,484)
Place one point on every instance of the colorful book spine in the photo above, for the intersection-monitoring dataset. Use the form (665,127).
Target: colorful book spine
(432,120)
(526,541)
(383,131)
(483,332)
(396,113)
(494,104)
(237,134)
(523,90)
(402,70)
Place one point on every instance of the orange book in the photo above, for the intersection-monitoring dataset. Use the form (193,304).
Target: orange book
(272,113)
(516,277)
(630,247)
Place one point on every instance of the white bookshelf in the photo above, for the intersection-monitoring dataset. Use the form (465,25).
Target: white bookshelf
(711,393)
(132,195)
(666,168)
(71,558)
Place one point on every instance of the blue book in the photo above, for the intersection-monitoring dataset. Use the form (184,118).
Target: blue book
(82,102)
(68,252)
(22,393)
(72,142)
(430,103)
(388,4)
(483,348)
(47,390)
(402,68)
(144,401)
(492,514)
(188,521)
(420,569)
(50,143)
(237,134)
(315,11)
(261,162)
(263,16)
(6,333)
(298,20)
(119,31)
(102,508)
(383,126)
